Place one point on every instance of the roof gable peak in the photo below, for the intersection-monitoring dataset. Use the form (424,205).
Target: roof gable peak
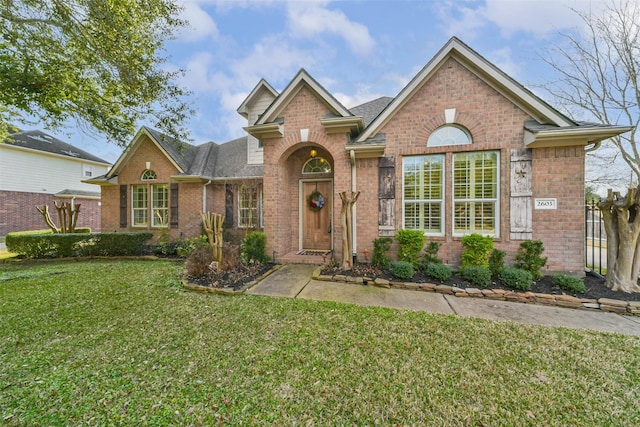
(301,79)
(486,71)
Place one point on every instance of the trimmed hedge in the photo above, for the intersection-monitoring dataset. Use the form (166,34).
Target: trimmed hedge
(52,245)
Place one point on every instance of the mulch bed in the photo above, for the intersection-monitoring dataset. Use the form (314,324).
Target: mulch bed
(235,278)
(595,287)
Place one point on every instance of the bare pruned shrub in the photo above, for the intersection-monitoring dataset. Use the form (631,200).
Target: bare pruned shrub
(198,262)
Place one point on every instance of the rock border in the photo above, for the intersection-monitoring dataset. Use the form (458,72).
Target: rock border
(631,308)
(228,290)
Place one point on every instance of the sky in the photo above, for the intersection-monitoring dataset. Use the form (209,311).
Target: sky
(358,50)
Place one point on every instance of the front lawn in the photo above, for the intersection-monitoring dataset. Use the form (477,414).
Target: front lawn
(122,343)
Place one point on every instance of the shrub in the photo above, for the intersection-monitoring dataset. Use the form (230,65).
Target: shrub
(496,262)
(431,253)
(569,283)
(56,245)
(411,243)
(476,250)
(381,248)
(184,247)
(254,247)
(477,275)
(402,270)
(198,262)
(516,279)
(528,257)
(440,272)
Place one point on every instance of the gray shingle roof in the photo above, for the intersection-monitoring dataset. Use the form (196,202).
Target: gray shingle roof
(372,109)
(40,141)
(231,161)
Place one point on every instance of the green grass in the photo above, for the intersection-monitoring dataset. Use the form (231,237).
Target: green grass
(121,343)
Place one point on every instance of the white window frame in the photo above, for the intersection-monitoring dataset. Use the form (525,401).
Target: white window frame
(144,208)
(440,201)
(495,200)
(149,208)
(449,135)
(257,208)
(156,220)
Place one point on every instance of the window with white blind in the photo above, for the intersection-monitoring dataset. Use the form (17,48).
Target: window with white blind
(475,193)
(150,202)
(423,193)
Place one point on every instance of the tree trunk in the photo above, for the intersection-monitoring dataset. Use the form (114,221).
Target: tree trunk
(346,219)
(44,210)
(621,217)
(212,224)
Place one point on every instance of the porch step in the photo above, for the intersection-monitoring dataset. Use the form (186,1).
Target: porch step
(296,258)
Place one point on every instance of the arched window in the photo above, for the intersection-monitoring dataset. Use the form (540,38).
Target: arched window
(449,135)
(316,165)
(148,175)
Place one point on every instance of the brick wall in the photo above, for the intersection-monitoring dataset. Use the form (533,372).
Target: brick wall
(284,158)
(495,124)
(18,211)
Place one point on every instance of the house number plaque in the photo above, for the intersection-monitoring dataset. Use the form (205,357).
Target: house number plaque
(546,204)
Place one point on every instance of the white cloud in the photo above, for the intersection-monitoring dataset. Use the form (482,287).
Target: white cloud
(201,25)
(502,58)
(312,19)
(540,18)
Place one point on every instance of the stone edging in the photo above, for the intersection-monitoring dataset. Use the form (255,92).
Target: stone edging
(604,304)
(227,290)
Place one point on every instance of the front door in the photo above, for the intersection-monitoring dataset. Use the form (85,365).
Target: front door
(316,215)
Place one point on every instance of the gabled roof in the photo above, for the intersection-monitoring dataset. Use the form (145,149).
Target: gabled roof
(40,141)
(492,75)
(300,80)
(179,153)
(262,85)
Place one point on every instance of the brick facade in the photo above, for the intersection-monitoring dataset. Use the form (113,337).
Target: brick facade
(18,211)
(459,89)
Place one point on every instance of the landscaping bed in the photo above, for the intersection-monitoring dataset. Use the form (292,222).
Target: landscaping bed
(595,288)
(235,279)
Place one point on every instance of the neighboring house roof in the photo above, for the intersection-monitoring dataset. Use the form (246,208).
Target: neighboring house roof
(78,193)
(40,141)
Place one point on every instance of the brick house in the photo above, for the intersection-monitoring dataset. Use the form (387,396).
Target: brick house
(462,149)
(38,169)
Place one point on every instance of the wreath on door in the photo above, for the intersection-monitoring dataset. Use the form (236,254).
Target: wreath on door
(315,201)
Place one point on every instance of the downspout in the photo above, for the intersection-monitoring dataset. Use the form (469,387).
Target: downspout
(352,160)
(204,196)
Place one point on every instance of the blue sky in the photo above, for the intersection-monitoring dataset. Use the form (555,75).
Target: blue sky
(358,50)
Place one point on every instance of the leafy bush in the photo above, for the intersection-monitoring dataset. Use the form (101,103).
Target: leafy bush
(254,247)
(477,275)
(440,272)
(381,248)
(431,253)
(529,257)
(198,262)
(496,262)
(517,279)
(569,283)
(476,250)
(402,270)
(411,243)
(56,245)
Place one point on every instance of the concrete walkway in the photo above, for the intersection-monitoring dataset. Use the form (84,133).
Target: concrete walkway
(294,281)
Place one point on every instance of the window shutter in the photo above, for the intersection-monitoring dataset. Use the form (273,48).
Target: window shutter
(123,206)
(173,215)
(228,205)
(386,196)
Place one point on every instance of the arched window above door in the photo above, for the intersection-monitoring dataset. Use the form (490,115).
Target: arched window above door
(316,165)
